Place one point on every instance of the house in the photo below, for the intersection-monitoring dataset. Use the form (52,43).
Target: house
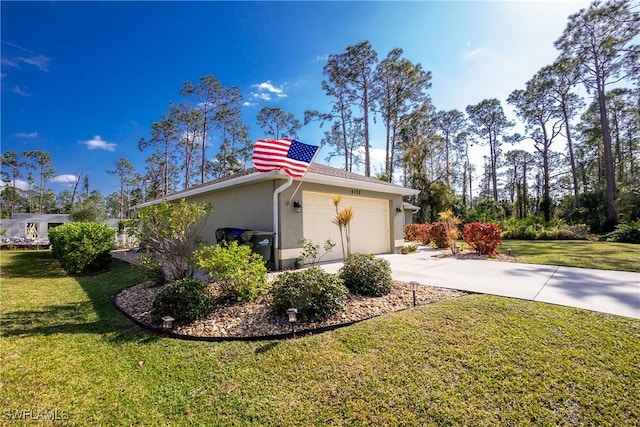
(30,229)
(274,202)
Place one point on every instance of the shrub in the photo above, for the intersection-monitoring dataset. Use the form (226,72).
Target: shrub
(450,222)
(185,300)
(315,293)
(625,233)
(483,237)
(439,236)
(311,252)
(531,228)
(411,232)
(417,233)
(364,274)
(82,247)
(240,273)
(169,232)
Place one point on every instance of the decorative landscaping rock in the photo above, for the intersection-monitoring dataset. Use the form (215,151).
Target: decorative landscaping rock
(257,319)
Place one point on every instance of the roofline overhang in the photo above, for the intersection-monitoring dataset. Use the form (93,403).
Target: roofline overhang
(311,177)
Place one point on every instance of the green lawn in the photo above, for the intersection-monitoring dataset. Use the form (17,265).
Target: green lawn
(474,360)
(576,253)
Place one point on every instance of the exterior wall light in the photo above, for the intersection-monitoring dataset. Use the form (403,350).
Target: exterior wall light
(167,322)
(293,318)
(297,206)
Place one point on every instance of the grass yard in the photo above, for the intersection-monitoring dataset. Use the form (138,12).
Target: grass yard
(475,360)
(576,253)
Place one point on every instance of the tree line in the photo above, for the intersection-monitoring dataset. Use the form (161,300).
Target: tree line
(584,167)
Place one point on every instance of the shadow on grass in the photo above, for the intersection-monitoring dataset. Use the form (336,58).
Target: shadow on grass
(98,315)
(32,265)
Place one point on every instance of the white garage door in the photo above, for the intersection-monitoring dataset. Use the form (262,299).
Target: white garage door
(369,227)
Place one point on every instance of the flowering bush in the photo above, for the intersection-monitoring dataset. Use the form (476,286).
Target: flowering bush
(483,237)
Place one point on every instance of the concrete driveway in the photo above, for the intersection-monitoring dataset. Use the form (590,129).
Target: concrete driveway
(614,292)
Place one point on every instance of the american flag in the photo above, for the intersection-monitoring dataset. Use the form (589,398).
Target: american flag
(287,154)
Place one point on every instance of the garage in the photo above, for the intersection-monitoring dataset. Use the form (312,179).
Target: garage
(369,228)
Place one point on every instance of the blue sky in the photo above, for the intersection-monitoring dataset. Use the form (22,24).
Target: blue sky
(85,80)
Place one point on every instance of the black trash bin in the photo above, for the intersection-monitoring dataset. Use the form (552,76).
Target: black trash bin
(229,234)
(261,242)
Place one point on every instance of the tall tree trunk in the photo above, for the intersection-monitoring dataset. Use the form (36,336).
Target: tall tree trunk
(609,172)
(572,159)
(365,107)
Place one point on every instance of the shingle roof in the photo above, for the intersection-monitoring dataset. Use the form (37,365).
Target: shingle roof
(316,173)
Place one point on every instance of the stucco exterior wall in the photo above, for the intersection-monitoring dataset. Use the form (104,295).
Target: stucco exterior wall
(291,225)
(247,206)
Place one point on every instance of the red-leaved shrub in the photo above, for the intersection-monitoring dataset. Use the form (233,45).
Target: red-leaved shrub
(438,235)
(417,233)
(483,237)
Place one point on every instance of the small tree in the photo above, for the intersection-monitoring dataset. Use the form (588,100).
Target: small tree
(169,232)
(451,223)
(343,221)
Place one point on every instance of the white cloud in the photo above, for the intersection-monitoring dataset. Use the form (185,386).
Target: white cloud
(98,144)
(267,86)
(263,96)
(65,179)
(249,104)
(8,62)
(27,134)
(20,91)
(39,61)
(472,53)
(20,184)
(265,90)
(34,58)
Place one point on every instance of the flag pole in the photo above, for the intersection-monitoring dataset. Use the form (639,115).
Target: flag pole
(305,174)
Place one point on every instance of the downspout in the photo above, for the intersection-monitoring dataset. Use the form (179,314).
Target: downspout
(276,237)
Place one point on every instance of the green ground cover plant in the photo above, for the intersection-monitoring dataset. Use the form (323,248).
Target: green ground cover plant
(474,360)
(576,253)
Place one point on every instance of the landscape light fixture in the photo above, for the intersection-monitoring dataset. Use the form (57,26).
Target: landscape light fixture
(414,288)
(297,206)
(509,251)
(167,322)
(293,318)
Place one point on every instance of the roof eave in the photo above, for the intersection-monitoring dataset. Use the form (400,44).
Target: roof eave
(214,186)
(360,185)
(314,178)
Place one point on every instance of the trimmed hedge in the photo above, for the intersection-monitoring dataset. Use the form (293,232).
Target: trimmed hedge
(82,247)
(417,233)
(483,237)
(315,293)
(365,274)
